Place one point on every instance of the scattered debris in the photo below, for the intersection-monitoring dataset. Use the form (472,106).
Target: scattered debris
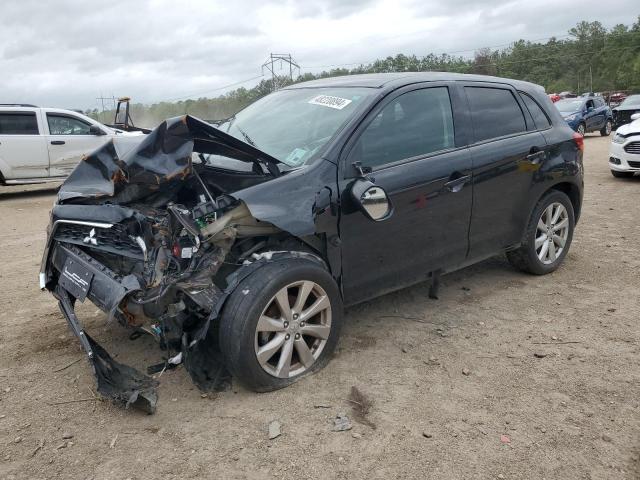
(17,440)
(552,343)
(113,441)
(274,430)
(71,401)
(427,435)
(67,365)
(607,438)
(540,354)
(466,372)
(505,439)
(341,423)
(39,447)
(356,435)
(62,445)
(67,436)
(361,406)
(322,405)
(611,310)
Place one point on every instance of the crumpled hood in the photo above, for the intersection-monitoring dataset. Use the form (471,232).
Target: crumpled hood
(163,156)
(633,127)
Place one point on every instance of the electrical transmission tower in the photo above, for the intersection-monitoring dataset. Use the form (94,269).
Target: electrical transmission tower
(283,60)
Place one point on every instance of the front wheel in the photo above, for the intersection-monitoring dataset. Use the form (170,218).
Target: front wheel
(618,174)
(280,324)
(606,130)
(548,236)
(582,129)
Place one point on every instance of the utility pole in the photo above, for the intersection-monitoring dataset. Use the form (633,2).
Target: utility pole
(281,59)
(591,78)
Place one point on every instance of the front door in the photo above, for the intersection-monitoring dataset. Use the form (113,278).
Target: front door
(68,141)
(409,143)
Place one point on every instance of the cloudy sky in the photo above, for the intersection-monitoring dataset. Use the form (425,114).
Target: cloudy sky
(66,53)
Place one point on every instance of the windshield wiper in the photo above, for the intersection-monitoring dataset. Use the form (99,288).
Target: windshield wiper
(247,138)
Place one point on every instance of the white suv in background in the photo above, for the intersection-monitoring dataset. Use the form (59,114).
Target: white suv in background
(45,144)
(624,154)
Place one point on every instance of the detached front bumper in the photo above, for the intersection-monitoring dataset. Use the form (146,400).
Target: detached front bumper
(72,275)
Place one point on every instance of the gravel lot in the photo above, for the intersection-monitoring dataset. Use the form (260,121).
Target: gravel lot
(550,389)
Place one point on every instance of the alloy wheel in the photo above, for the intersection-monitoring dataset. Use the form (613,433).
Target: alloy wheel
(552,233)
(581,130)
(293,329)
(607,127)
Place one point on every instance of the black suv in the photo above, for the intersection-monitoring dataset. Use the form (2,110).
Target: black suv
(237,245)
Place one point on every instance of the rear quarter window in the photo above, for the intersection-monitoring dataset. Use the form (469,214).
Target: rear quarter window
(18,123)
(539,117)
(495,112)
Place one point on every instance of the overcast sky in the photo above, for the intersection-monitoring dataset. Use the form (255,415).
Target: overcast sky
(68,52)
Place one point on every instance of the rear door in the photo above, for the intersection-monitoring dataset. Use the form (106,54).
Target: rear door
(507,152)
(68,140)
(23,151)
(410,144)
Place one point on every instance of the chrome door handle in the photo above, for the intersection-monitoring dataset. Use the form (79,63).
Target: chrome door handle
(536,157)
(456,184)
(57,142)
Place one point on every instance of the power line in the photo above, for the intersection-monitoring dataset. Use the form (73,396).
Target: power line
(451,53)
(217,89)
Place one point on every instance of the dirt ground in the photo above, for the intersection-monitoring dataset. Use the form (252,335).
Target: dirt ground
(550,389)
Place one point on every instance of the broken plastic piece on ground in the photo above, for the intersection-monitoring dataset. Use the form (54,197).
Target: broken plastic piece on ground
(121,383)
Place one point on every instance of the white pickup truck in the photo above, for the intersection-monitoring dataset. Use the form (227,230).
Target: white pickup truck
(45,144)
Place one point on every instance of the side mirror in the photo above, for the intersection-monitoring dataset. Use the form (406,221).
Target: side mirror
(372,200)
(635,116)
(96,130)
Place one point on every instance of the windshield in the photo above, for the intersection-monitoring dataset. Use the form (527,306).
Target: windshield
(293,125)
(632,101)
(569,105)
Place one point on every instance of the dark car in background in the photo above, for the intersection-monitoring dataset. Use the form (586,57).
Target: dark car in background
(622,113)
(586,114)
(237,247)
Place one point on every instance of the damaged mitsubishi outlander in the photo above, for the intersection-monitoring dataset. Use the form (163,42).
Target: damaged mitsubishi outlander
(238,245)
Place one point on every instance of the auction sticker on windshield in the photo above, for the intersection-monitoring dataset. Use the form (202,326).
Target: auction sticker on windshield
(329,101)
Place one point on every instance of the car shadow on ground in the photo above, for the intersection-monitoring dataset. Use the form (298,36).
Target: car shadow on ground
(9,193)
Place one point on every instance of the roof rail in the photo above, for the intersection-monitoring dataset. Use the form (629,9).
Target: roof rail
(17,105)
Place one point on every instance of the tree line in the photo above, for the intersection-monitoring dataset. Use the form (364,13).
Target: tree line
(589,57)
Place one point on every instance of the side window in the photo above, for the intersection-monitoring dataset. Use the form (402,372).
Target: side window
(495,112)
(539,117)
(64,125)
(19,123)
(589,104)
(599,102)
(414,124)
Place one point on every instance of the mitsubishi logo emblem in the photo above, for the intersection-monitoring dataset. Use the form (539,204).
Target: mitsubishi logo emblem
(91,239)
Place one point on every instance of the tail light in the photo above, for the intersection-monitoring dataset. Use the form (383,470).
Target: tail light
(579,139)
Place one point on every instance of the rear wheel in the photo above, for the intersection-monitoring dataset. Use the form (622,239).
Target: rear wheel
(582,129)
(548,236)
(280,324)
(606,130)
(617,174)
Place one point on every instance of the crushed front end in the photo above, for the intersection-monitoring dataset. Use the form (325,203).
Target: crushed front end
(158,246)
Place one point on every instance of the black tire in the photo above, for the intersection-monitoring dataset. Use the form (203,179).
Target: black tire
(242,310)
(606,130)
(582,129)
(525,257)
(617,174)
